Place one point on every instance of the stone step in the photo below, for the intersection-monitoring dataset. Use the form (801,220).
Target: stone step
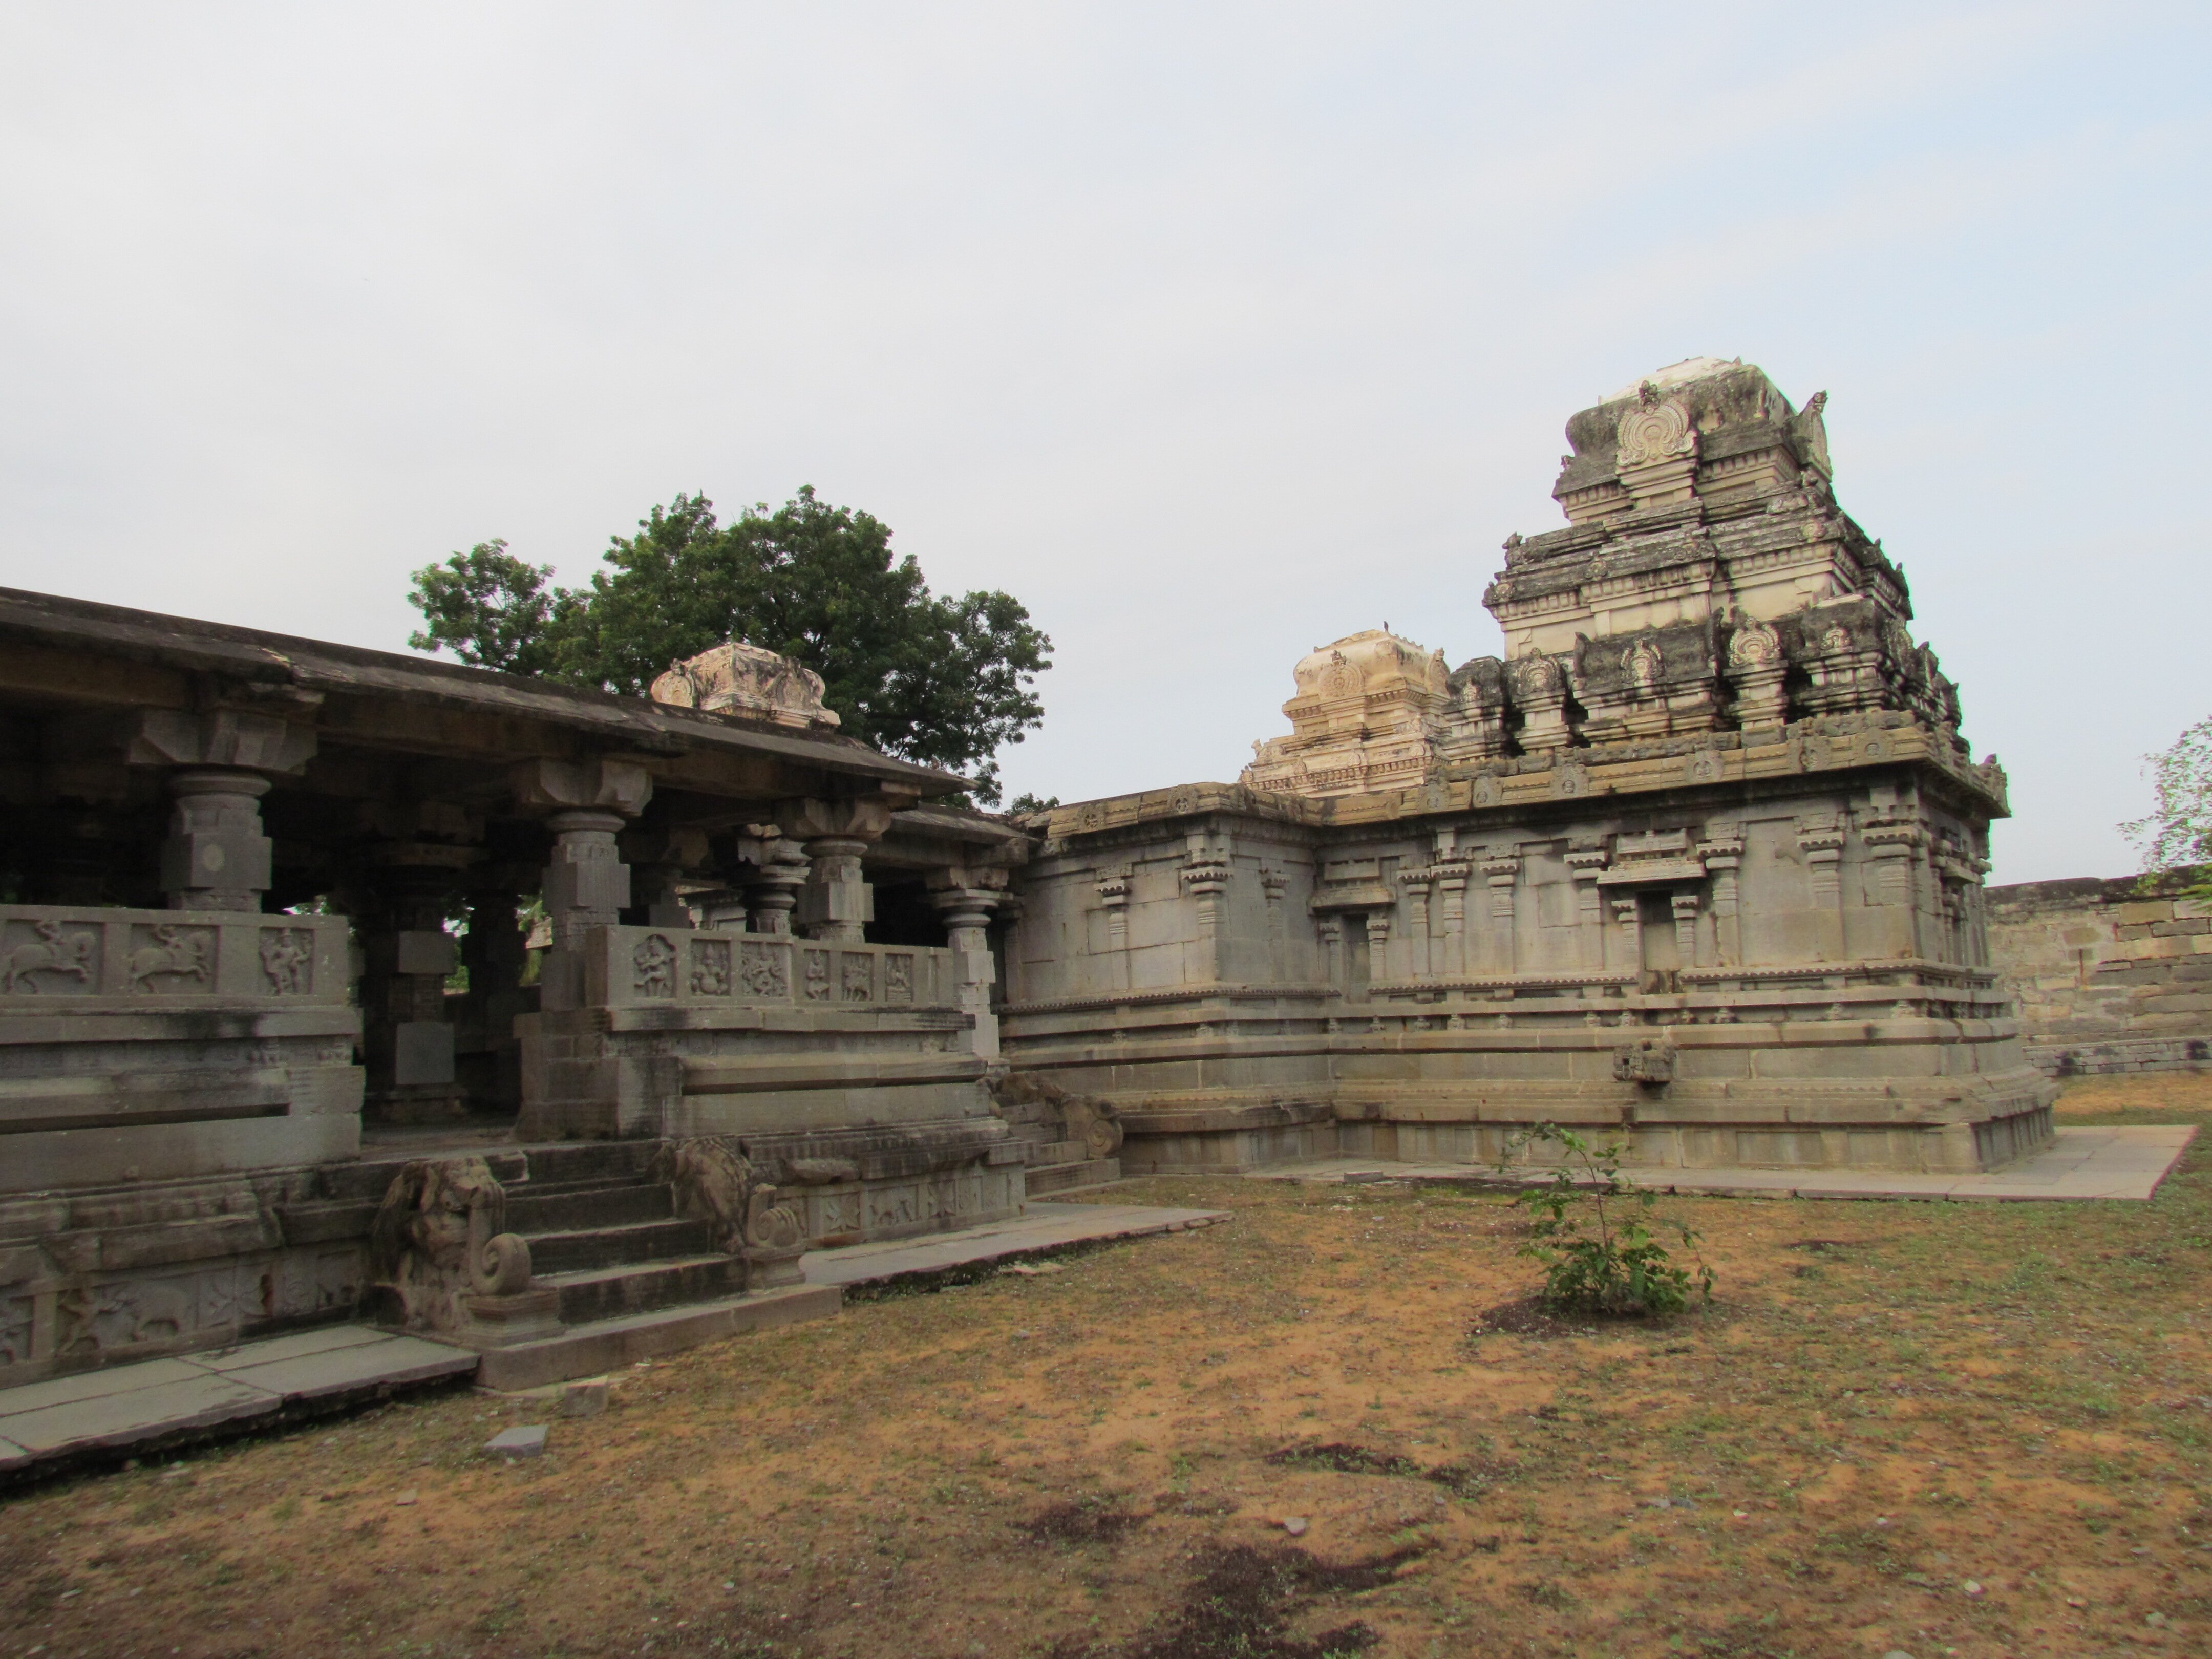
(600,1161)
(616,1292)
(1057,1151)
(606,1345)
(530,1209)
(1072,1177)
(575,1249)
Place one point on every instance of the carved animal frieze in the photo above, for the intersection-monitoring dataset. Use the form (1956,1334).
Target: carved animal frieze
(440,1236)
(167,952)
(49,950)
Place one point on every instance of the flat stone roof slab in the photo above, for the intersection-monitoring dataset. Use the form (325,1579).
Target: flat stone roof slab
(2125,1161)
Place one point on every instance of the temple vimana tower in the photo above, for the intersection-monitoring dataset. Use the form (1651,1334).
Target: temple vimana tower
(1700,860)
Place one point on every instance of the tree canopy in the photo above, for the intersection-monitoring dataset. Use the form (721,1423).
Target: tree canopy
(2178,831)
(942,681)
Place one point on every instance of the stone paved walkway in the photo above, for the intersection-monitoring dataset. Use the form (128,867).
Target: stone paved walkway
(2123,1162)
(160,1402)
(1045,1227)
(154,1404)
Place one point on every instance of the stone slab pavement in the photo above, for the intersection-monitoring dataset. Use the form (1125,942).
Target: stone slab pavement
(2113,1162)
(155,1403)
(1043,1227)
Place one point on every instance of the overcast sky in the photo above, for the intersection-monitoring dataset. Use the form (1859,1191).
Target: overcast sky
(1211,332)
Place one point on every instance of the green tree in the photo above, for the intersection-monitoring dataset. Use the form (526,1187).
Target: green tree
(2178,831)
(490,609)
(942,681)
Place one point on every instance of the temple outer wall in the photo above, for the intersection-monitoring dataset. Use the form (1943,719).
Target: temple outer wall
(1790,975)
(2111,975)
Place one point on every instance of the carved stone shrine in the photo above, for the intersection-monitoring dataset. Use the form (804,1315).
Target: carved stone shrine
(1700,861)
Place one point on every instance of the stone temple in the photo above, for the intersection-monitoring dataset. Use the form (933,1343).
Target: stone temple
(1698,861)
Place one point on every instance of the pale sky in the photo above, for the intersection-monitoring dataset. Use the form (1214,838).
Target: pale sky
(1211,332)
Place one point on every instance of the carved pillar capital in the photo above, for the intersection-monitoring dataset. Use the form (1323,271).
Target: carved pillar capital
(837,904)
(267,744)
(622,787)
(863,819)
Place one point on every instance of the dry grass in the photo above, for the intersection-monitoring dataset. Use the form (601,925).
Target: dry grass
(1890,1399)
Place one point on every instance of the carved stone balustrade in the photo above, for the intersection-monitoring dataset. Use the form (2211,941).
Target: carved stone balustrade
(223,1039)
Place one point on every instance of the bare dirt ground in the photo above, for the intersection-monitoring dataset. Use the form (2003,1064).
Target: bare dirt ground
(1937,1429)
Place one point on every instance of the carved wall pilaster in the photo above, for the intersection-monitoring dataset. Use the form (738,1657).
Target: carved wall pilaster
(1723,852)
(1414,950)
(1821,843)
(1586,862)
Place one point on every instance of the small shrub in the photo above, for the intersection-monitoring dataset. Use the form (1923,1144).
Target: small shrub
(1596,1259)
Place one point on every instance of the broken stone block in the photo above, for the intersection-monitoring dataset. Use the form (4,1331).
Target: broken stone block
(585,1399)
(526,1440)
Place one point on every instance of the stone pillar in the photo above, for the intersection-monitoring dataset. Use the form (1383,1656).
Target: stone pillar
(401,884)
(220,763)
(966,911)
(407,1042)
(489,1065)
(659,860)
(1113,885)
(773,893)
(1586,862)
(586,884)
(1723,852)
(837,903)
(216,857)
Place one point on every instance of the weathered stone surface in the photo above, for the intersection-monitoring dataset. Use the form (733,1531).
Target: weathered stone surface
(2111,975)
(1700,860)
(737,679)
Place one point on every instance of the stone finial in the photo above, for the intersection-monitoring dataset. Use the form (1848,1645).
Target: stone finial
(737,679)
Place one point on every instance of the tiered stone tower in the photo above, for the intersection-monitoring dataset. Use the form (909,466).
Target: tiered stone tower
(1701,858)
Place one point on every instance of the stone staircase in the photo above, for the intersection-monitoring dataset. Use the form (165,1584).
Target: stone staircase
(606,1236)
(630,1278)
(1037,1112)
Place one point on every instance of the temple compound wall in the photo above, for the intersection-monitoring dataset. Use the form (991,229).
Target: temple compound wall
(2110,976)
(1700,861)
